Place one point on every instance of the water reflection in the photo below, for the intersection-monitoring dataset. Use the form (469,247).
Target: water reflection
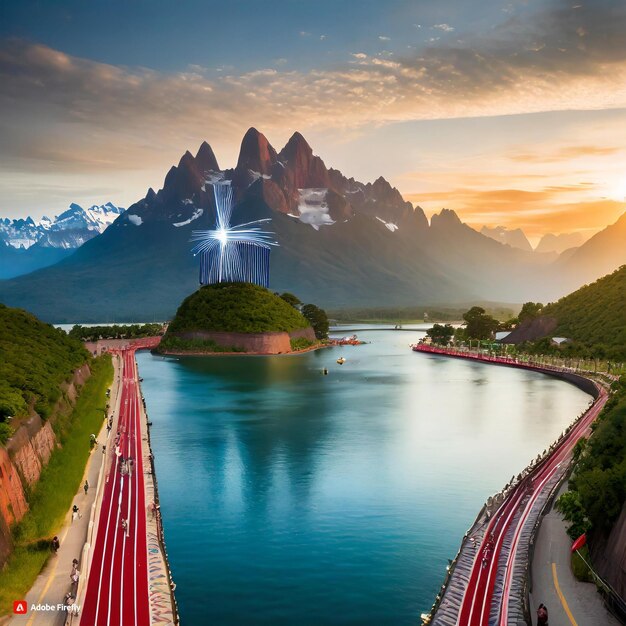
(290,497)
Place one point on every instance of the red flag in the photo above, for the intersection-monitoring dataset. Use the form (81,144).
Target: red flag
(579,543)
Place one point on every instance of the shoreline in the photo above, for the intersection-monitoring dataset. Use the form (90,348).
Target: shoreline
(200,354)
(523,531)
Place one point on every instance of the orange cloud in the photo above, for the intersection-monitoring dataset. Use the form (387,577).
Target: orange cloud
(551,209)
(565,154)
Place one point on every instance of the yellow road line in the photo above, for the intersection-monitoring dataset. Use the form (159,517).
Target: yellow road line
(561,596)
(51,577)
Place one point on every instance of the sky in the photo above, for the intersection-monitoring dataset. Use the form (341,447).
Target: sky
(512,113)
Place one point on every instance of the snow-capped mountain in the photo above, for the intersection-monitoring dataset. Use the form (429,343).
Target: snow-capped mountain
(69,230)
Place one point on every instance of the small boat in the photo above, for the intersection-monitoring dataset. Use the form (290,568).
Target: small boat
(341,360)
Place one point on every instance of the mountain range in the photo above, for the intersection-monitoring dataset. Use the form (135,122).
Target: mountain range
(341,243)
(27,245)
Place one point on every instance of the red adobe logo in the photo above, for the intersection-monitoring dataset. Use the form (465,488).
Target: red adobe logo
(20,607)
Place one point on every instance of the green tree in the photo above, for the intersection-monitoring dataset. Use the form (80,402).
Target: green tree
(289,298)
(570,507)
(479,325)
(441,334)
(530,310)
(318,319)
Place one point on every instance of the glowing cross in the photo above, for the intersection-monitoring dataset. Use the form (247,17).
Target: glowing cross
(232,253)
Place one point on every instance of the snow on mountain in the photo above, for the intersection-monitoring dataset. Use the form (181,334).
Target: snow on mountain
(70,229)
(196,214)
(313,208)
(390,225)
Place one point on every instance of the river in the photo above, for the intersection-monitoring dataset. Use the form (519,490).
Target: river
(293,497)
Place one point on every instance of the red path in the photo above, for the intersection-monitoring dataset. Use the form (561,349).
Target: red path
(117,587)
(479,594)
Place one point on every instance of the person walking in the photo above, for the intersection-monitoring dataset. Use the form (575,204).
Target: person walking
(86,487)
(75,513)
(55,544)
(542,615)
(74,577)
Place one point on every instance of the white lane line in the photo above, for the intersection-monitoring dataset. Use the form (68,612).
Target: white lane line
(106,532)
(137,443)
(127,442)
(117,523)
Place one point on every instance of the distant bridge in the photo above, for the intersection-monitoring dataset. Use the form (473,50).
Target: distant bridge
(378,328)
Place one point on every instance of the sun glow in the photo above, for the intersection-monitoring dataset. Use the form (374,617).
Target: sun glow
(617,190)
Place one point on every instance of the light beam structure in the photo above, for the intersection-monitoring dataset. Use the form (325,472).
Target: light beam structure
(233,253)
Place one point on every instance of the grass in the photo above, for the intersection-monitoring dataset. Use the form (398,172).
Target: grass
(301,343)
(579,568)
(52,496)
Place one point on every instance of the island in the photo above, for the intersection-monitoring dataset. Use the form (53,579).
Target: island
(237,318)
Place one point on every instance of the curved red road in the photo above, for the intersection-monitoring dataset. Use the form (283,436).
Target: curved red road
(477,600)
(117,587)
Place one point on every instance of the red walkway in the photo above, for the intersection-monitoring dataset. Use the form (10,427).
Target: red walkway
(477,601)
(117,588)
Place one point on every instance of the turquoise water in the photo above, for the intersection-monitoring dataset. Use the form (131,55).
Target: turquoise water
(290,497)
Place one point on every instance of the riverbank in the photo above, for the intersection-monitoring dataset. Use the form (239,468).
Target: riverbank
(58,484)
(196,354)
(498,545)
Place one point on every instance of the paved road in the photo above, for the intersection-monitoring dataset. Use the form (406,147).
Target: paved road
(117,589)
(491,575)
(578,603)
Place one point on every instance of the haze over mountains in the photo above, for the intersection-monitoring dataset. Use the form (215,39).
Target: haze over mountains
(342,243)
(27,245)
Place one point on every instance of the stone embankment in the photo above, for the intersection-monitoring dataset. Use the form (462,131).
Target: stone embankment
(256,343)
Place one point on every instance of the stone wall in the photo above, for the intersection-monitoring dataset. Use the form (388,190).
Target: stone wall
(259,343)
(608,555)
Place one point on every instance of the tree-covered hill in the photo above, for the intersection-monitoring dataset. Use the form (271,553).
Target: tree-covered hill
(238,308)
(36,359)
(595,315)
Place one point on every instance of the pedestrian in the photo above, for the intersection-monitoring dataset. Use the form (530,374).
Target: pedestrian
(74,577)
(75,513)
(542,615)
(153,509)
(56,544)
(86,487)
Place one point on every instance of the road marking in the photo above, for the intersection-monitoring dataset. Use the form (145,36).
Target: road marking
(562,597)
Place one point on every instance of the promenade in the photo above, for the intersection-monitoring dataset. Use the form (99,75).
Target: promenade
(488,580)
(128,580)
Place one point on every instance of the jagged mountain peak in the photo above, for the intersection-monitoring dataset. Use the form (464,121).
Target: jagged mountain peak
(256,153)
(444,218)
(294,148)
(68,230)
(206,159)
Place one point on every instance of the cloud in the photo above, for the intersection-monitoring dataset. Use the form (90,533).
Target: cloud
(565,154)
(57,110)
(383,38)
(446,28)
(549,209)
